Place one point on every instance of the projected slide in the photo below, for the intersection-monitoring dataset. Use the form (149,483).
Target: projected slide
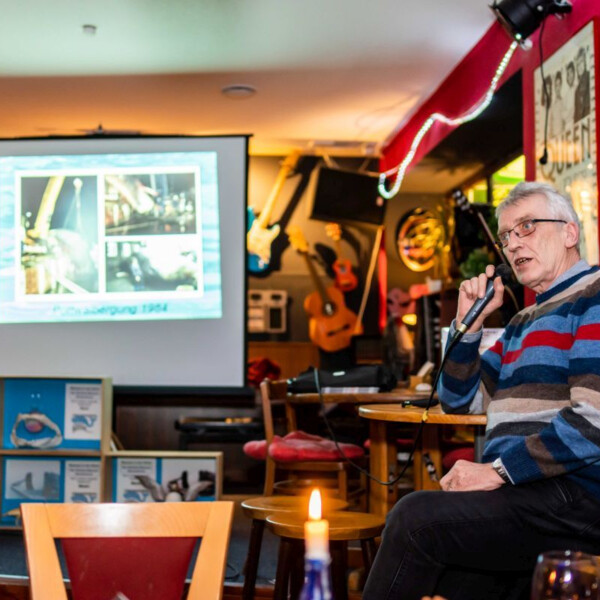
(94,237)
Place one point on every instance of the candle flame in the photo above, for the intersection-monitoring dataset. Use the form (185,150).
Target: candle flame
(314,505)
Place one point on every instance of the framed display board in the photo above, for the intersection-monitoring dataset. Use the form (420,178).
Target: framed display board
(146,476)
(47,479)
(54,435)
(565,108)
(45,414)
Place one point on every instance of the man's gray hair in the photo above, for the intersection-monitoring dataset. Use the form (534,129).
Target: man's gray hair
(559,206)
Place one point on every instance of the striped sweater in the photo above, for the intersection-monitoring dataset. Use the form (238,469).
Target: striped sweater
(539,384)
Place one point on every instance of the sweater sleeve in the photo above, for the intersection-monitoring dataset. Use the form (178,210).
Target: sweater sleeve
(468,378)
(571,440)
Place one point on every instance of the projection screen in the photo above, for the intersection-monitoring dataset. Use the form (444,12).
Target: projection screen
(124,258)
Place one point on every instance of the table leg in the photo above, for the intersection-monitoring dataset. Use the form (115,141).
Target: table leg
(284,567)
(479,442)
(339,569)
(379,468)
(430,445)
(252,560)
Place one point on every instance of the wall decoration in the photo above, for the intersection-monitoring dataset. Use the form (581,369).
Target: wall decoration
(52,413)
(36,478)
(419,238)
(143,476)
(569,75)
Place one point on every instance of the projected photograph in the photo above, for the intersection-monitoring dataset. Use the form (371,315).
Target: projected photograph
(59,240)
(152,264)
(150,203)
(125,232)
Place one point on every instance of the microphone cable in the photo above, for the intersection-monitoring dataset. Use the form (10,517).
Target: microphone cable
(545,96)
(416,440)
(503,271)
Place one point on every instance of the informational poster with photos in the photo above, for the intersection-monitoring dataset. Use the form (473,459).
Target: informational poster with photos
(565,102)
(149,479)
(82,480)
(47,479)
(129,475)
(52,414)
(83,409)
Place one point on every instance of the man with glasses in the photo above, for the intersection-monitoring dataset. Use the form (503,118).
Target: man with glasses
(538,486)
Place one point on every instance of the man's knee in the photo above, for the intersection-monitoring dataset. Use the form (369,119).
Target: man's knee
(413,512)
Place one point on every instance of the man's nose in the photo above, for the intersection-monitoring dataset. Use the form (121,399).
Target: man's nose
(513,241)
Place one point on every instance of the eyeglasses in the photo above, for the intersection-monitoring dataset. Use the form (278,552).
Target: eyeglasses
(523,229)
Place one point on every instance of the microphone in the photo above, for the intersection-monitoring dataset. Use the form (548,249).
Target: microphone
(504,272)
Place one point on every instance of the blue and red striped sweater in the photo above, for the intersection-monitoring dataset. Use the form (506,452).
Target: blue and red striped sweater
(539,384)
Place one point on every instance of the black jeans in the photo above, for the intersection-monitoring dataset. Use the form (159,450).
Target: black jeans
(471,545)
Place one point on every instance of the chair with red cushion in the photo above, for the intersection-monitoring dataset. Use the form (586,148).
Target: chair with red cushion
(300,455)
(138,550)
(460,453)
(304,459)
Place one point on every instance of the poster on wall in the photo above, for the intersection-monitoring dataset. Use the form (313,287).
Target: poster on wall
(159,479)
(568,104)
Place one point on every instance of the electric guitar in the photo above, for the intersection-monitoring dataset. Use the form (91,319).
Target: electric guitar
(260,236)
(345,279)
(331,323)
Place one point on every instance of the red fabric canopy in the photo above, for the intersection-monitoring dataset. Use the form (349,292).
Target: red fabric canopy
(471,78)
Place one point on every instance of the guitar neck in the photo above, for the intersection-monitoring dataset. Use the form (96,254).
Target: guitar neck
(265,214)
(316,279)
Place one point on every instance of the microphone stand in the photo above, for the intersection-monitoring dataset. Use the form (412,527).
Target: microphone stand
(463,203)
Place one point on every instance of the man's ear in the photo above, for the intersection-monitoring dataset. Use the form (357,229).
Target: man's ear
(572,237)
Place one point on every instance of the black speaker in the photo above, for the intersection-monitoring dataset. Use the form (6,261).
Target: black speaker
(347,197)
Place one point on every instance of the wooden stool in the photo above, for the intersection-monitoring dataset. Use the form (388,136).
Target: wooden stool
(258,509)
(343,527)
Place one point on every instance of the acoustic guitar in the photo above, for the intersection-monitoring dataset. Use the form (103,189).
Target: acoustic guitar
(260,235)
(345,279)
(331,323)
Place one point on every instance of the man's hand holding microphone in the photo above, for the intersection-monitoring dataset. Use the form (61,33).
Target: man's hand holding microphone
(478,297)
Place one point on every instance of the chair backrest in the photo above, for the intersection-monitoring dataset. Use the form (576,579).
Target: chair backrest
(269,391)
(130,549)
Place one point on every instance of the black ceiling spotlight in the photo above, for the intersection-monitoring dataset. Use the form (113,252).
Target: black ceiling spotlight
(522,17)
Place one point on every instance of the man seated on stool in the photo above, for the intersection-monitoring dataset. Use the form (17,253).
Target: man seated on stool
(538,488)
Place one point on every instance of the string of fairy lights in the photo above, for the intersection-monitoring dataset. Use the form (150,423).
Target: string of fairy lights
(471,114)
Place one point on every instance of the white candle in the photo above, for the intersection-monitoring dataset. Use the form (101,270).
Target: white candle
(316,529)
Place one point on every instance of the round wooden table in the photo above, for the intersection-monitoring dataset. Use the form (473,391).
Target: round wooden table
(343,527)
(261,507)
(380,416)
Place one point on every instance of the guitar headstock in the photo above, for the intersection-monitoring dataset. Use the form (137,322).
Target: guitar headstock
(461,200)
(297,239)
(291,160)
(334,231)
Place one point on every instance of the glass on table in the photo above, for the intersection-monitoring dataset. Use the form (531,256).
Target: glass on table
(566,575)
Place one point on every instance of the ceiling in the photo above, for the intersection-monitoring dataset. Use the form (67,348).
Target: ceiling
(332,76)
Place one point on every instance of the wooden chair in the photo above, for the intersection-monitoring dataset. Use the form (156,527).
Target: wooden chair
(315,471)
(137,550)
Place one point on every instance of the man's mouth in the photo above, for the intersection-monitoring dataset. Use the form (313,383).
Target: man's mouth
(521,261)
